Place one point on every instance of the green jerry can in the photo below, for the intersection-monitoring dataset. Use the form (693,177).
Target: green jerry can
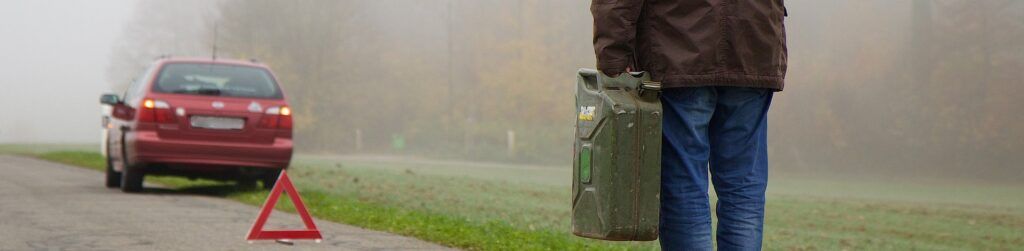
(617,163)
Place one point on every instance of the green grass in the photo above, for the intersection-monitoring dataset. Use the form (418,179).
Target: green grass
(802,213)
(34,149)
(502,207)
(89,160)
(447,229)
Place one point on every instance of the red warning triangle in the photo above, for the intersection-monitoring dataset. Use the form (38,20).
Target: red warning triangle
(284,184)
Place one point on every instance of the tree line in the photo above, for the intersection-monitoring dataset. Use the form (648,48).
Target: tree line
(874,86)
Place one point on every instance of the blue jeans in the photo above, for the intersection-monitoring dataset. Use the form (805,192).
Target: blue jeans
(722,129)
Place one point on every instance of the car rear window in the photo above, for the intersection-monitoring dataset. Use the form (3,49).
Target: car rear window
(216,80)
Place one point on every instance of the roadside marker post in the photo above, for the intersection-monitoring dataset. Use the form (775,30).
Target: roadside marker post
(284,184)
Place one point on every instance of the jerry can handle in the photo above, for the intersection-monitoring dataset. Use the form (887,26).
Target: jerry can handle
(587,72)
(589,79)
(651,86)
(648,86)
(592,78)
(590,72)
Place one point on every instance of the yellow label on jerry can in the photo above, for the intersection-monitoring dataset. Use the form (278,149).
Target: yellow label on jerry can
(587,113)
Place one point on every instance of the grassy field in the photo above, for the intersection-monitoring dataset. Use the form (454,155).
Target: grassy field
(515,207)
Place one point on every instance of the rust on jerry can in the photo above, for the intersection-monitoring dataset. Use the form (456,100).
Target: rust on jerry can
(617,163)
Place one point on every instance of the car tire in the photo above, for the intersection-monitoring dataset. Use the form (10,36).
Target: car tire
(269,179)
(131,179)
(113,177)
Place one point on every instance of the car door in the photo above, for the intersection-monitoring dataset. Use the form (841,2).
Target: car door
(123,120)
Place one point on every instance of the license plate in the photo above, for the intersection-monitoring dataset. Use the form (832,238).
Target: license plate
(218,123)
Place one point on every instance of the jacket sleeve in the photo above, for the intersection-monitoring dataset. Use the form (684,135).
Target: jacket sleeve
(615,33)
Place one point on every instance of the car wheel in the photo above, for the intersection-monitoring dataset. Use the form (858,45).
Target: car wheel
(113,177)
(270,179)
(131,179)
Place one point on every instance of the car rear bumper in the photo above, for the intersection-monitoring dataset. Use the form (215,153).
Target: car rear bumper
(150,148)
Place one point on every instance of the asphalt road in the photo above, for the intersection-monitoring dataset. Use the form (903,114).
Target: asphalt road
(50,206)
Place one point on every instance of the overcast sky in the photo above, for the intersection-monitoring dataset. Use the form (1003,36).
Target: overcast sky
(53,61)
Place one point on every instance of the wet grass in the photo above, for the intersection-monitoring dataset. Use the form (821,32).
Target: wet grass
(812,217)
(504,207)
(435,226)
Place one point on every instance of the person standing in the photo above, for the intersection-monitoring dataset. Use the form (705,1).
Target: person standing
(719,62)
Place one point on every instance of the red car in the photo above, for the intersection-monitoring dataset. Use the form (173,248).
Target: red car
(199,118)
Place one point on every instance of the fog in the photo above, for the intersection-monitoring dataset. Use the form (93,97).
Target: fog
(906,88)
(53,67)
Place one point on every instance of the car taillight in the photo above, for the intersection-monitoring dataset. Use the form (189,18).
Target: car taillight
(277,118)
(156,111)
(285,118)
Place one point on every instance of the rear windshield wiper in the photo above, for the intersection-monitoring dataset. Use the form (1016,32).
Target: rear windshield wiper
(207,91)
(200,91)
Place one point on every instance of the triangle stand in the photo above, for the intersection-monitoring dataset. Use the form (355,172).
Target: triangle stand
(284,184)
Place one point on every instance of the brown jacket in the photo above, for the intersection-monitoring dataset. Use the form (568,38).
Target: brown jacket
(686,43)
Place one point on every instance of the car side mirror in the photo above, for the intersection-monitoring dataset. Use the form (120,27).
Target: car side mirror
(110,99)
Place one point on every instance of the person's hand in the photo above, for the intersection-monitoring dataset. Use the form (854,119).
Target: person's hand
(616,74)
